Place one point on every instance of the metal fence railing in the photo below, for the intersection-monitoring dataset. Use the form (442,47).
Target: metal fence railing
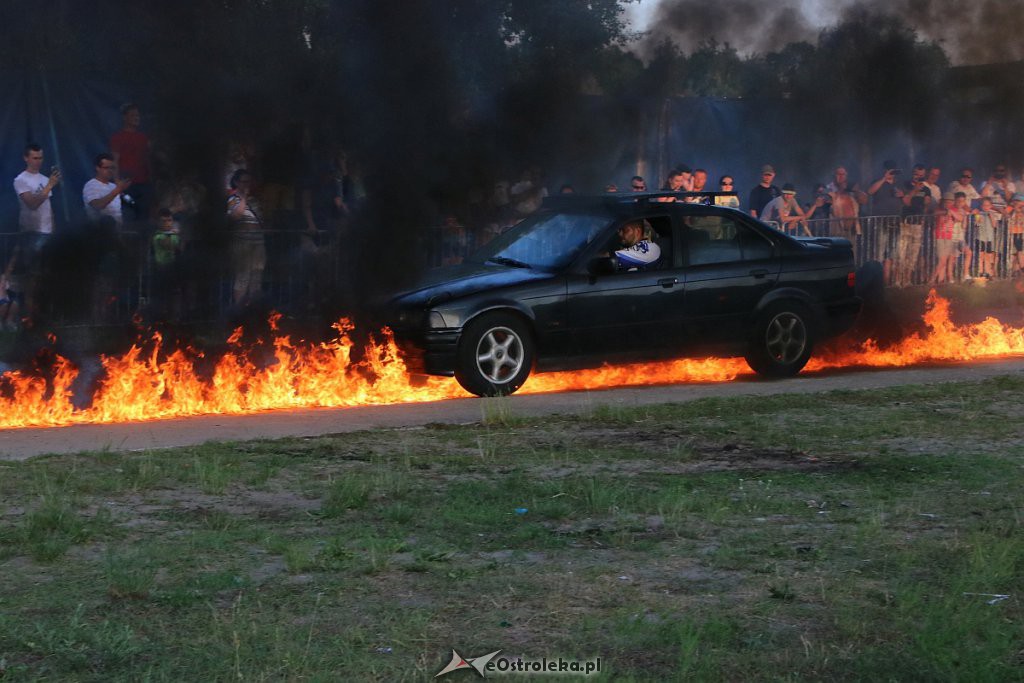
(90,278)
(906,246)
(115,277)
(913,252)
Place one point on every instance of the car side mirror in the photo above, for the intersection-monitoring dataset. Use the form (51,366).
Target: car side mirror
(602,265)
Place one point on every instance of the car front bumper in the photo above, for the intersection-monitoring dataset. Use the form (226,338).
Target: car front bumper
(429,353)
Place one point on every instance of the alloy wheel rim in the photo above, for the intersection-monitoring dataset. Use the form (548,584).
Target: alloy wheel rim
(500,355)
(786,338)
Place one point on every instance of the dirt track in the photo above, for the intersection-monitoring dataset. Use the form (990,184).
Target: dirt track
(19,444)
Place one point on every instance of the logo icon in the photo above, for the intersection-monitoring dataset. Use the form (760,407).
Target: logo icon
(459,662)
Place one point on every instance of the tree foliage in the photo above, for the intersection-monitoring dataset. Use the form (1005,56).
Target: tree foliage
(411,86)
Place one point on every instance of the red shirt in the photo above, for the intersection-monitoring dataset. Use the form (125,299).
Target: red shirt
(131,147)
(944,225)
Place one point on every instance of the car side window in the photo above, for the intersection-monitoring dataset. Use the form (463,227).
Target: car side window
(720,239)
(711,239)
(754,246)
(653,251)
(662,236)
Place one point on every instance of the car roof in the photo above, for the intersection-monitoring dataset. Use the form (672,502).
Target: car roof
(620,203)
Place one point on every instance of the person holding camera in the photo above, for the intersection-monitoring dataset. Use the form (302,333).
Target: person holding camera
(917,202)
(35,219)
(886,207)
(102,193)
(819,210)
(101,196)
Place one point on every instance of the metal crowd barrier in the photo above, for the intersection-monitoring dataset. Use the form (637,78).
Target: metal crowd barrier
(891,240)
(83,280)
(905,245)
(116,280)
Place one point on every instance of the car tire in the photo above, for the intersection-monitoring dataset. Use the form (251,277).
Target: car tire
(781,340)
(495,355)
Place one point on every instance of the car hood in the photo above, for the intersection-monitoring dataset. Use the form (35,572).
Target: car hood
(453,282)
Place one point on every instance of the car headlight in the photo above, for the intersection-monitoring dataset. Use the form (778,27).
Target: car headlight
(435,321)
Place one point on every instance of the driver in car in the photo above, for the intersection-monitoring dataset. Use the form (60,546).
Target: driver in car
(638,250)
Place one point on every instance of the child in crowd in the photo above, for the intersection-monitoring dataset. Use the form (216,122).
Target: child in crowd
(961,212)
(10,295)
(167,248)
(1015,226)
(987,220)
(945,258)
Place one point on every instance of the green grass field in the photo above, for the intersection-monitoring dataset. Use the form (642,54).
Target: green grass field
(842,536)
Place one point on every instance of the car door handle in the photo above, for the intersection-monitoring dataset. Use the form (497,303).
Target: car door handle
(668,282)
(759,272)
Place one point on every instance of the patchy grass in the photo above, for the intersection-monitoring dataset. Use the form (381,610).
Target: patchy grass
(848,535)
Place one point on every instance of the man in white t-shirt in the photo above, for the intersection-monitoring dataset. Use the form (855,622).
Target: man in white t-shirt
(963,184)
(785,211)
(35,220)
(34,190)
(102,194)
(931,181)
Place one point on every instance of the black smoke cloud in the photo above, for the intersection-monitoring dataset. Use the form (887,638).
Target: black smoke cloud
(750,26)
(976,32)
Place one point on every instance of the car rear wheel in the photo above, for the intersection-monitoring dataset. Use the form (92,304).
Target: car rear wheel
(495,356)
(782,340)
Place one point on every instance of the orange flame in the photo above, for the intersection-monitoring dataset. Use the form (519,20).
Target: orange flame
(156,385)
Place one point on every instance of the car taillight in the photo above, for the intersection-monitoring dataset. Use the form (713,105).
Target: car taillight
(851,279)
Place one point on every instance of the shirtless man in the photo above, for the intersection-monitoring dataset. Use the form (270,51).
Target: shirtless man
(846,203)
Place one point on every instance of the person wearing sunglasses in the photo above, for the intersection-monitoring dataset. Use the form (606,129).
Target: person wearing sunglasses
(999,188)
(638,184)
(964,184)
(725,184)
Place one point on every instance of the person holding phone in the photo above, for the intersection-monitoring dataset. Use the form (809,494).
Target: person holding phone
(102,194)
(35,218)
(886,207)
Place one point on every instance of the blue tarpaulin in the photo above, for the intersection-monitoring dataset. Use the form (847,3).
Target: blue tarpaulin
(71,119)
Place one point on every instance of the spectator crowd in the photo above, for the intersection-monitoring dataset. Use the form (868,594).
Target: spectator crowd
(919,231)
(145,244)
(142,250)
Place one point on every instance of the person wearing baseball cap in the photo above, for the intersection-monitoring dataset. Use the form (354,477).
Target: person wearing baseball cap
(785,211)
(763,193)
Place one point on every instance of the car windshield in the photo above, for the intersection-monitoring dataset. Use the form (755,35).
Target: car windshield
(547,241)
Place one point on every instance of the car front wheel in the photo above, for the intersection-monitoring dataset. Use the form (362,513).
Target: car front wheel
(781,340)
(495,356)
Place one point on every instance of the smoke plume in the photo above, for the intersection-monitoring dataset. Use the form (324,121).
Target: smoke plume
(980,32)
